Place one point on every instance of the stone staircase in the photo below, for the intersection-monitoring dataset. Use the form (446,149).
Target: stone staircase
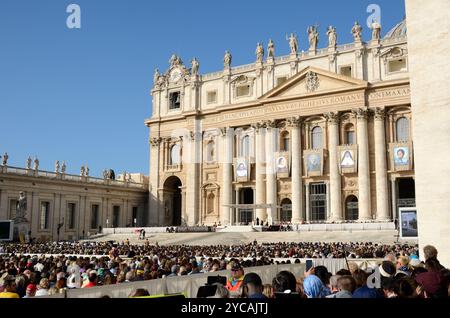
(236,229)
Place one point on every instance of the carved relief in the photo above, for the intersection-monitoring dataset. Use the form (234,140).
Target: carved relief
(312,82)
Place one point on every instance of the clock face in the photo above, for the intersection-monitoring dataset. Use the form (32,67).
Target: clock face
(175,75)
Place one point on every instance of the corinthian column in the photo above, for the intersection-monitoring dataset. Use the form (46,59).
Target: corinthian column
(380,167)
(227,175)
(260,197)
(335,176)
(297,188)
(271,176)
(363,165)
(152,218)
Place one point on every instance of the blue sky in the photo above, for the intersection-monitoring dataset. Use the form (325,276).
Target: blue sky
(81,95)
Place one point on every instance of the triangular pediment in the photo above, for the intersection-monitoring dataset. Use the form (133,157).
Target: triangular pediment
(312,81)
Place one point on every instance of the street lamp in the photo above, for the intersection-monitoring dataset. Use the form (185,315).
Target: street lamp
(107,222)
(135,222)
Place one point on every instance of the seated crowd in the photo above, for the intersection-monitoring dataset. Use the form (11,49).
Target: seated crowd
(401,273)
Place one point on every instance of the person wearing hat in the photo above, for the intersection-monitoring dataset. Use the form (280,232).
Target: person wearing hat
(31,291)
(252,286)
(237,276)
(9,287)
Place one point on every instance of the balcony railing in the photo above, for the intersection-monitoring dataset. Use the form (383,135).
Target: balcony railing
(68,177)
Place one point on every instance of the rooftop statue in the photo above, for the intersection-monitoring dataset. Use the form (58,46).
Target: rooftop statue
(227,59)
(195,66)
(313,37)
(271,49)
(293,43)
(376,30)
(259,52)
(332,36)
(356,31)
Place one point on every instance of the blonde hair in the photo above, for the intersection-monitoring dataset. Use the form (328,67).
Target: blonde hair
(268,290)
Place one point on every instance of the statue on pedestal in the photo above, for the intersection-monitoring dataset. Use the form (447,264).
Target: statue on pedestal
(313,37)
(376,30)
(5,159)
(195,66)
(293,43)
(57,166)
(36,163)
(29,163)
(259,52)
(82,171)
(332,36)
(356,31)
(227,60)
(87,171)
(271,49)
(156,76)
(63,167)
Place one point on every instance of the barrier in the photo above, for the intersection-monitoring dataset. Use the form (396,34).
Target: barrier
(188,284)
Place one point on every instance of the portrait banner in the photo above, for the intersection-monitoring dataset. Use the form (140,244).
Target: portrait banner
(313,161)
(348,158)
(282,164)
(401,156)
(241,170)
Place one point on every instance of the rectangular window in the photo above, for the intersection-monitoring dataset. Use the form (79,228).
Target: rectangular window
(116,216)
(281,80)
(174,100)
(44,215)
(94,216)
(71,207)
(211,97)
(318,200)
(346,71)
(243,90)
(397,66)
(12,208)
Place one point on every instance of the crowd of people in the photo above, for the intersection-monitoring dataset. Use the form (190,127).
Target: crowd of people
(251,250)
(28,270)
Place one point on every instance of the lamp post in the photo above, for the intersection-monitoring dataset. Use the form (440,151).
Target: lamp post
(135,222)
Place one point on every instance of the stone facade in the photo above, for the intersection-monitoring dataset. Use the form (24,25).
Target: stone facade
(430,78)
(76,204)
(311,136)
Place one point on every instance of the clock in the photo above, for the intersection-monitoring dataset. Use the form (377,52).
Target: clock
(175,75)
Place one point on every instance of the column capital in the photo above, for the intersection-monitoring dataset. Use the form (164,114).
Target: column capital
(294,121)
(154,141)
(332,117)
(270,124)
(258,125)
(223,131)
(379,113)
(361,113)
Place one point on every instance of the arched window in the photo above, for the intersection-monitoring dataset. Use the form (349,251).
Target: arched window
(210,152)
(210,203)
(402,128)
(175,155)
(245,150)
(349,134)
(285,141)
(316,138)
